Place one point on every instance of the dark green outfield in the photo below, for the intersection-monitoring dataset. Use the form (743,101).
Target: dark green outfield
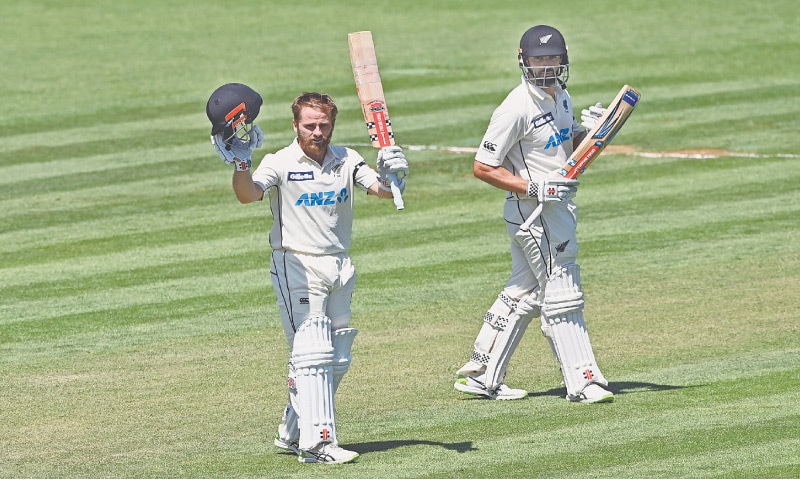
(138,332)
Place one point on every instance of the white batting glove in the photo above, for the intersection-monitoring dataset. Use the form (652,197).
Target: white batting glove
(553,189)
(386,184)
(590,116)
(238,152)
(392,160)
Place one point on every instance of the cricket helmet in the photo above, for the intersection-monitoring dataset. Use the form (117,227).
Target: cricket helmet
(544,41)
(232,109)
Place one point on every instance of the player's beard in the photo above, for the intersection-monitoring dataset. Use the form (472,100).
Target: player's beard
(544,76)
(315,147)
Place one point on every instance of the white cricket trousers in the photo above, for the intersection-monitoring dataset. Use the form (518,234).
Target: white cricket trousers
(312,285)
(552,242)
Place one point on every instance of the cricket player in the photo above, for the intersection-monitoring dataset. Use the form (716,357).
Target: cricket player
(530,135)
(311,186)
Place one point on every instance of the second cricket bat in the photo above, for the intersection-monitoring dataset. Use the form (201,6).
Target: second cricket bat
(370,95)
(602,133)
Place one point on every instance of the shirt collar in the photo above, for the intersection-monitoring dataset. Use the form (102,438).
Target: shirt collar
(332,156)
(538,92)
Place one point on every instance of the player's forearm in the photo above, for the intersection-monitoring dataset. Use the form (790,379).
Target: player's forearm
(500,177)
(246,191)
(375,189)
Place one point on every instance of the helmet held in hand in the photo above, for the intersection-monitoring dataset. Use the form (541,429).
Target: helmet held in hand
(232,109)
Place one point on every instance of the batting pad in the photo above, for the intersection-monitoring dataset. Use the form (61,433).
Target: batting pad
(508,340)
(289,430)
(495,321)
(312,358)
(342,344)
(565,329)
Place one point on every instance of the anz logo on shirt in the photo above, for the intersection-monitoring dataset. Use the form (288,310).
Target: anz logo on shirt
(556,140)
(322,198)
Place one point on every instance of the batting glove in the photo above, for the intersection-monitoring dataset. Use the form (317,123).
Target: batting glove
(392,160)
(590,116)
(385,184)
(238,152)
(554,189)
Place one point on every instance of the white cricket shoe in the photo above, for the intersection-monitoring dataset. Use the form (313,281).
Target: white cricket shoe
(472,386)
(286,444)
(326,452)
(593,393)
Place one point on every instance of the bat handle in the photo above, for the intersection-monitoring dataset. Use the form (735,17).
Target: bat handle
(396,193)
(534,215)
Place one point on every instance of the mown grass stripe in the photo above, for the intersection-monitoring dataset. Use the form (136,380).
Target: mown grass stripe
(141,338)
(145,289)
(772,455)
(101,330)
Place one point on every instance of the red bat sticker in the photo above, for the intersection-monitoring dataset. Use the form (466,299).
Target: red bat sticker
(378,110)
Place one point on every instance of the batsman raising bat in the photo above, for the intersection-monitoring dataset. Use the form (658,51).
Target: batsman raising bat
(529,138)
(311,186)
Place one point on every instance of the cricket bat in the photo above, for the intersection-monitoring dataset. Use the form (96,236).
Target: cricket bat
(373,102)
(602,133)
(596,140)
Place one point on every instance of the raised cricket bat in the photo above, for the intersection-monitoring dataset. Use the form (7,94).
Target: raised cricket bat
(602,133)
(596,140)
(373,102)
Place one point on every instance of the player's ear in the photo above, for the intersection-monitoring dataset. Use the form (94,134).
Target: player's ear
(294,126)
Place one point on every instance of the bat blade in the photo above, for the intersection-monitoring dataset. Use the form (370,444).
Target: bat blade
(371,97)
(602,133)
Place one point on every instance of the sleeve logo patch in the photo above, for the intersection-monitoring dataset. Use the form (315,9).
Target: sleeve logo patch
(542,120)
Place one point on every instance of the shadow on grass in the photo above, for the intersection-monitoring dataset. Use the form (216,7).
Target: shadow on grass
(369,447)
(618,388)
(622,388)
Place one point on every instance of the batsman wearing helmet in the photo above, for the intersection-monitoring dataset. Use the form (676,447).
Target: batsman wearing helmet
(310,185)
(530,135)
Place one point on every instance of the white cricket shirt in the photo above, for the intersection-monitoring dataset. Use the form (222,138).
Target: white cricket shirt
(312,204)
(530,133)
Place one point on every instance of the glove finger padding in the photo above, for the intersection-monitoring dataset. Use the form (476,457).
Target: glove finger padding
(392,160)
(590,116)
(398,166)
(569,182)
(597,110)
(238,152)
(553,189)
(223,152)
(386,153)
(561,189)
(256,137)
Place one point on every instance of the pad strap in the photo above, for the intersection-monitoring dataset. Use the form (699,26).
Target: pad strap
(508,339)
(497,316)
(494,322)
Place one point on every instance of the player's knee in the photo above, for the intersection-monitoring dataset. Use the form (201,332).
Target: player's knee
(312,345)
(498,314)
(563,293)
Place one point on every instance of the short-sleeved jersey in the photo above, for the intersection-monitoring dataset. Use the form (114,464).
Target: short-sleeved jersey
(312,204)
(530,133)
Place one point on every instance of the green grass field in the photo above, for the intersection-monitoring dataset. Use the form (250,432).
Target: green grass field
(138,331)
